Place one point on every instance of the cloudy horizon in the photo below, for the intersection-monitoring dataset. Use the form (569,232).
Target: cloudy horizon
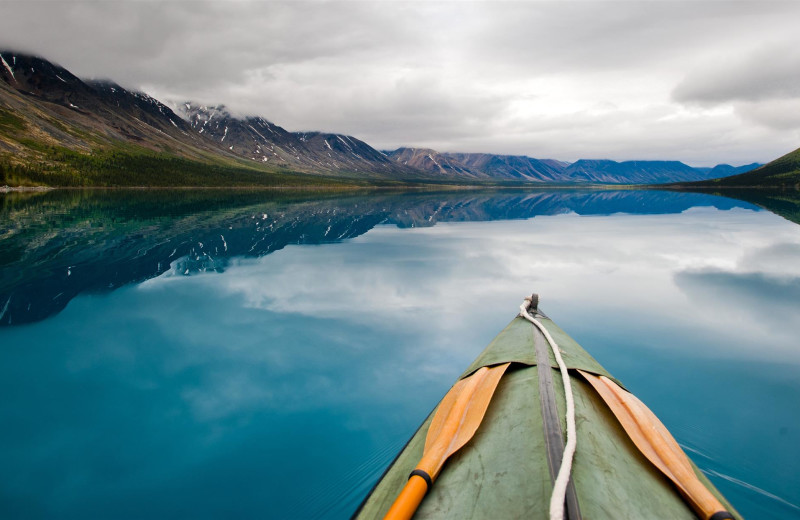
(700,82)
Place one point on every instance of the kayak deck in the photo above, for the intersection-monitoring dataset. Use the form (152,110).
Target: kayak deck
(503,472)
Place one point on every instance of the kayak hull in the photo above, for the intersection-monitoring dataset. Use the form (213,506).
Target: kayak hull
(503,472)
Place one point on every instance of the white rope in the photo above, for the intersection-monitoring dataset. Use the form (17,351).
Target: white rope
(560,485)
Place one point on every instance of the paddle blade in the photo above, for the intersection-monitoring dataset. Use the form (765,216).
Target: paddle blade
(655,442)
(459,415)
(455,422)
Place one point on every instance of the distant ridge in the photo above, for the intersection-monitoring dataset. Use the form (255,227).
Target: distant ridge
(527,169)
(783,172)
(512,167)
(431,161)
(726,170)
(631,172)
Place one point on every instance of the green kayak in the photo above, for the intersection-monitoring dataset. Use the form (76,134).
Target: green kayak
(622,467)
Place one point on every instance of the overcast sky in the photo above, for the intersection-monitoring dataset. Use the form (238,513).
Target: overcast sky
(701,82)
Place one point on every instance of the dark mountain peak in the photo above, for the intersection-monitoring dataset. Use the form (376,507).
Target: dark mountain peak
(38,77)
(211,118)
(83,115)
(17,67)
(141,105)
(104,84)
(198,114)
(726,170)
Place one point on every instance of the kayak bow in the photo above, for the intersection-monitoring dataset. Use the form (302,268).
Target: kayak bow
(493,446)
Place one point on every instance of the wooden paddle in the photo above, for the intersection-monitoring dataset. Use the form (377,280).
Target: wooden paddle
(455,422)
(657,444)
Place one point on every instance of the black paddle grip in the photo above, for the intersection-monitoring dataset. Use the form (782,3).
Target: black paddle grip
(427,478)
(721,515)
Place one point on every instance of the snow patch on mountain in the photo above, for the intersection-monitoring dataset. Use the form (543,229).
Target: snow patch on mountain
(8,68)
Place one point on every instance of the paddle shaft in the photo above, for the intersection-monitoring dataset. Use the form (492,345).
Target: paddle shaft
(407,502)
(456,419)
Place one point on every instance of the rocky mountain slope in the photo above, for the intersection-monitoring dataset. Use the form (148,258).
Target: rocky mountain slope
(57,108)
(512,167)
(630,172)
(57,129)
(259,140)
(481,166)
(434,162)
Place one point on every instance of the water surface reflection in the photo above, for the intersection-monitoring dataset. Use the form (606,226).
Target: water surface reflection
(59,244)
(276,369)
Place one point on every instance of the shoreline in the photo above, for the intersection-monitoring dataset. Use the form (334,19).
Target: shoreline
(12,189)
(409,187)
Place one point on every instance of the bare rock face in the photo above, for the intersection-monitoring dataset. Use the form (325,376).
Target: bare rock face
(255,138)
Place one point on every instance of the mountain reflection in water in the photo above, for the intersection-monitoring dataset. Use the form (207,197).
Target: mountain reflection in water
(56,245)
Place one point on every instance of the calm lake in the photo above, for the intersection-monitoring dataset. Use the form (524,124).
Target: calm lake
(213,354)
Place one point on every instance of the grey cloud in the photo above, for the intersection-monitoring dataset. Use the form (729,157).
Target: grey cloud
(782,115)
(765,74)
(615,36)
(183,43)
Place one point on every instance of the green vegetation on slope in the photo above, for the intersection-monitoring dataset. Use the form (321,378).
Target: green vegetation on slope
(10,121)
(135,166)
(783,172)
(37,149)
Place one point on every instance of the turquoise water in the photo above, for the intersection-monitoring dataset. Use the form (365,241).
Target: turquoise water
(209,354)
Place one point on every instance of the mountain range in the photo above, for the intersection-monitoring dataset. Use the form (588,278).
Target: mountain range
(482,166)
(58,129)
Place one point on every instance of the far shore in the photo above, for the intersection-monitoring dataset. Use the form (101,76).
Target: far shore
(411,187)
(8,189)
